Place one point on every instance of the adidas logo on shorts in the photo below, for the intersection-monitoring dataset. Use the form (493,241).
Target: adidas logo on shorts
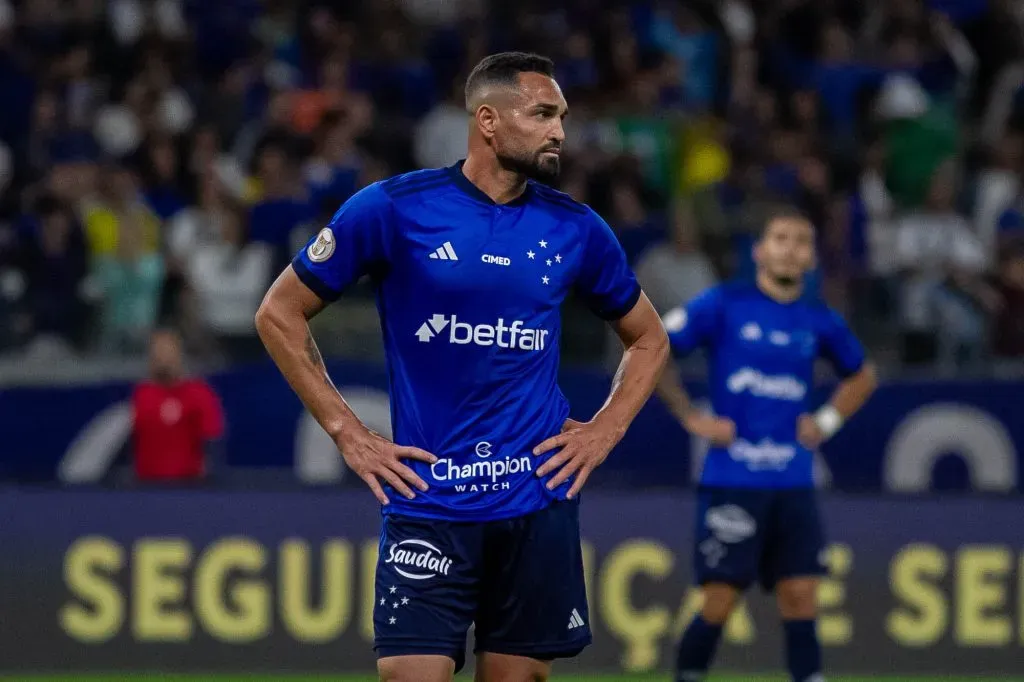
(575,621)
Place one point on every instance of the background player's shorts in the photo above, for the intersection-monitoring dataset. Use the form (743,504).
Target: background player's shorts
(748,534)
(520,580)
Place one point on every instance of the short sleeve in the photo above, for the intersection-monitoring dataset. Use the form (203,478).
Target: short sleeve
(211,416)
(839,345)
(354,243)
(966,250)
(605,280)
(906,246)
(136,403)
(1010,220)
(695,325)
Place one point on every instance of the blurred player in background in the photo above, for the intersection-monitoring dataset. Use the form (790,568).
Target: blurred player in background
(757,515)
(177,421)
(480,486)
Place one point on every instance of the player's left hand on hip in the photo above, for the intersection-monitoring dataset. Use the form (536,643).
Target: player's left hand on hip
(808,432)
(584,445)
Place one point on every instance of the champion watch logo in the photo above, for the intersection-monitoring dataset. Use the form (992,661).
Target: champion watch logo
(444,252)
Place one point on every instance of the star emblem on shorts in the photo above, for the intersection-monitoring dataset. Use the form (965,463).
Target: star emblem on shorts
(543,244)
(530,254)
(548,262)
(394,605)
(405,601)
(558,258)
(392,620)
(545,279)
(383,601)
(392,589)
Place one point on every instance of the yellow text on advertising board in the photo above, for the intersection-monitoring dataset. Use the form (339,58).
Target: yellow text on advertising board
(239,590)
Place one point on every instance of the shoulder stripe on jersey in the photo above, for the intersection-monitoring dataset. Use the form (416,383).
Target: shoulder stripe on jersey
(405,190)
(315,284)
(402,182)
(413,176)
(560,199)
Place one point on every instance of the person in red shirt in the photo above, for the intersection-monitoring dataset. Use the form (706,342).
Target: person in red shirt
(1008,326)
(177,420)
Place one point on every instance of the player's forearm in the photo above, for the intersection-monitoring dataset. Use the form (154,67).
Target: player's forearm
(672,393)
(289,341)
(854,391)
(642,364)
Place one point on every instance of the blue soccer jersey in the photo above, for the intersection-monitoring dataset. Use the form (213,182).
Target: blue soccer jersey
(761,370)
(469,293)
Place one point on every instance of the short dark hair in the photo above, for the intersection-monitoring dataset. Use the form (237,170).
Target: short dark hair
(504,69)
(777,213)
(47,205)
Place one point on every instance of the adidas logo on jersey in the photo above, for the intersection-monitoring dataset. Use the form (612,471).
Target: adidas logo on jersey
(513,335)
(444,252)
(575,621)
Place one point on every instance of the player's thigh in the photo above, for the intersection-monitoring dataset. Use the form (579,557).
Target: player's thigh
(491,667)
(797,546)
(425,591)
(729,536)
(416,669)
(533,601)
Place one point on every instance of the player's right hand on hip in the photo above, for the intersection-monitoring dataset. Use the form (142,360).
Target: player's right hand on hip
(374,459)
(717,430)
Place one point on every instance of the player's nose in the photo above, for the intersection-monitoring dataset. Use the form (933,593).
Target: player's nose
(557,134)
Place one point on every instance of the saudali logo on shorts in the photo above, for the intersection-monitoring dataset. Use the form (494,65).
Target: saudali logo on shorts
(730,523)
(323,247)
(418,560)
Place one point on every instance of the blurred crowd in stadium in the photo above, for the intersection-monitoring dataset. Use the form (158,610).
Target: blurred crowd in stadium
(162,159)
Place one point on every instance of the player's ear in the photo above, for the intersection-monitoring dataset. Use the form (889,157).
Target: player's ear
(487,120)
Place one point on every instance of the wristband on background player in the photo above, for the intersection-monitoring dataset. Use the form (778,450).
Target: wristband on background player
(829,420)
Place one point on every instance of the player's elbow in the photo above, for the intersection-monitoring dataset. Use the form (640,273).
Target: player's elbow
(655,341)
(662,347)
(268,317)
(262,318)
(867,378)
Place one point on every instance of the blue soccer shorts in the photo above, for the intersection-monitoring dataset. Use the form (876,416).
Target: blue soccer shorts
(520,581)
(746,534)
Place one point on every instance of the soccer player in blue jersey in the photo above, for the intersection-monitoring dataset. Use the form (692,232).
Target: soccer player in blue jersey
(480,486)
(757,517)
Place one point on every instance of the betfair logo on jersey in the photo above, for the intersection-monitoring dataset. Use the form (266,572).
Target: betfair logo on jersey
(783,387)
(513,335)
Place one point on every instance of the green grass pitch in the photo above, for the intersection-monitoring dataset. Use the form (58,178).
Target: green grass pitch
(557,678)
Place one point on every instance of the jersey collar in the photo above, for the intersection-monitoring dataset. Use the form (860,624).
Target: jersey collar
(474,192)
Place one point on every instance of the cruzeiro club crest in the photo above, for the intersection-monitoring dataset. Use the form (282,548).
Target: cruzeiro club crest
(323,247)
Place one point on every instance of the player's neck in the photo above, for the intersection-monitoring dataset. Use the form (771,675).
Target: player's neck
(776,291)
(166,378)
(501,185)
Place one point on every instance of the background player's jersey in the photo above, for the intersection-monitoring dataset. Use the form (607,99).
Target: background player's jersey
(761,357)
(469,294)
